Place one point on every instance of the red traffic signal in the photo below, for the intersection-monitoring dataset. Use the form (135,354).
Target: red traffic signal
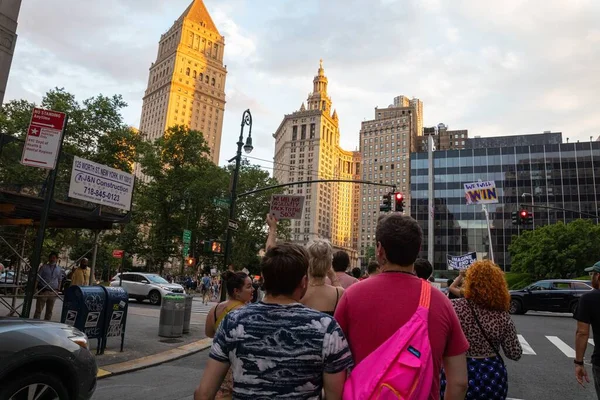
(399,200)
(523,214)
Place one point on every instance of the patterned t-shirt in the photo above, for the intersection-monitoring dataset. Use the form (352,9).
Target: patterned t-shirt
(280,351)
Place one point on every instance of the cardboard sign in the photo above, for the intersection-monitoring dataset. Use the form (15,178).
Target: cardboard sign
(461,262)
(481,192)
(286,206)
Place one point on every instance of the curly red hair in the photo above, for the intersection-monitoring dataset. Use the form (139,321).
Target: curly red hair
(485,286)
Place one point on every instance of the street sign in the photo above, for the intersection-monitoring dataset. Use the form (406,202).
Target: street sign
(223,203)
(100,184)
(186,250)
(187,236)
(43,138)
(233,225)
(118,253)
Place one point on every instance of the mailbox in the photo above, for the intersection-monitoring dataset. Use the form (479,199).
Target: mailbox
(84,307)
(117,304)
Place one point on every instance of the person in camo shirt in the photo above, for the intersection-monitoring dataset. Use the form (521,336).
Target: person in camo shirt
(278,348)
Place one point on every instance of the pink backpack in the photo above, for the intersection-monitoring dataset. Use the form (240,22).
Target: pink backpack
(402,367)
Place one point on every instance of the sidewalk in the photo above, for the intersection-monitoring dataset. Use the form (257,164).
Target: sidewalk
(142,346)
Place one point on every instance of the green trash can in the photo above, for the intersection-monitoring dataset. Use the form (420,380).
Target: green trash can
(172,311)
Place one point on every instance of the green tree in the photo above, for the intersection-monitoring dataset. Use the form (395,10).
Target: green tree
(556,251)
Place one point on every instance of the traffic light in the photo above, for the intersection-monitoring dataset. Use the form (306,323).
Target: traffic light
(399,199)
(213,246)
(530,218)
(386,205)
(515,218)
(191,261)
(524,217)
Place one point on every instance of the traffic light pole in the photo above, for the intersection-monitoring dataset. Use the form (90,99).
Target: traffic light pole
(595,216)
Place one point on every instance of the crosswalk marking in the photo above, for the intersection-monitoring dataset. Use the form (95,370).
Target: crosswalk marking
(562,346)
(526,347)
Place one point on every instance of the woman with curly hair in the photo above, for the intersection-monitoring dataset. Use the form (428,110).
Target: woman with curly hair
(484,317)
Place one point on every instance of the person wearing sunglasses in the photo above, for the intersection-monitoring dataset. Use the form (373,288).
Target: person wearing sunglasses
(588,313)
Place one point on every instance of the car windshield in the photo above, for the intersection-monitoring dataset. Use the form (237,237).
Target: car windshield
(156,279)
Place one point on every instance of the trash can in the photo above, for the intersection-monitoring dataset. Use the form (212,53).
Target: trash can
(187,316)
(172,311)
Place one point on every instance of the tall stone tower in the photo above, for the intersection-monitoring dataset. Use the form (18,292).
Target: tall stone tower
(186,84)
(9,13)
(307,147)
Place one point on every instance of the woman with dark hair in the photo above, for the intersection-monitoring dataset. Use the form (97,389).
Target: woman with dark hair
(484,318)
(239,292)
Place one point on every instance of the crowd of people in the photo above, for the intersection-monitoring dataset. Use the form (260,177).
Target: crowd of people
(320,332)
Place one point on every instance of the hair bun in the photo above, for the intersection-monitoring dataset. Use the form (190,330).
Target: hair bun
(227,275)
(320,249)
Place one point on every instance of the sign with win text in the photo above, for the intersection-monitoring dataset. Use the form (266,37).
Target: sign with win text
(43,138)
(481,192)
(461,262)
(284,206)
(100,184)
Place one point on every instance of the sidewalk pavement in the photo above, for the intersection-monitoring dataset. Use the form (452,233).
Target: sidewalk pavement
(143,347)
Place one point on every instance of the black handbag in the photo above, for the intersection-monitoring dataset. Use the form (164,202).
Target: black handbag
(496,350)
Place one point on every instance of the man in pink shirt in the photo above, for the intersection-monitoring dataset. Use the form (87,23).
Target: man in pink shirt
(341,262)
(373,311)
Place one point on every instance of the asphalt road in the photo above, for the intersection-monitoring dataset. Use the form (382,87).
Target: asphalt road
(547,374)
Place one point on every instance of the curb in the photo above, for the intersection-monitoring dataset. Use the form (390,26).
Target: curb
(153,360)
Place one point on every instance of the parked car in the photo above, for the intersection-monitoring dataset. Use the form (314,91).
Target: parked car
(41,359)
(142,286)
(10,277)
(556,295)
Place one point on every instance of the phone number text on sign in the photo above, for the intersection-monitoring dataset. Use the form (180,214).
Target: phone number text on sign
(100,184)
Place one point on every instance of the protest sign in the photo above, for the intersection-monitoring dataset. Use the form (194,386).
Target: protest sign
(286,206)
(461,262)
(481,192)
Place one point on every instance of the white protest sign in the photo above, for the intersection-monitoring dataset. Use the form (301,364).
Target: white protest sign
(100,184)
(461,262)
(481,192)
(285,206)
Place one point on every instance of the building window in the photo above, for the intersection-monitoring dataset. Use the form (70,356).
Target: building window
(187,71)
(213,82)
(303,133)
(312,131)
(194,74)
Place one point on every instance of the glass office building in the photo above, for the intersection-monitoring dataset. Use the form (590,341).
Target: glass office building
(559,175)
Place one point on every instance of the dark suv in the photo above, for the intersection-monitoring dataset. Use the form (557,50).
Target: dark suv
(556,295)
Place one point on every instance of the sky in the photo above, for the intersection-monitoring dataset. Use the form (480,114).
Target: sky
(494,68)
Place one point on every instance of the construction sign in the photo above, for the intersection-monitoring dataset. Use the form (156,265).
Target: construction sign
(481,192)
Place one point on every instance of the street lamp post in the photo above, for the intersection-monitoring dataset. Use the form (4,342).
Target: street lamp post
(246,120)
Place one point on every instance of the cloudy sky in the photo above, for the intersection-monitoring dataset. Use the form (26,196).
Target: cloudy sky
(494,68)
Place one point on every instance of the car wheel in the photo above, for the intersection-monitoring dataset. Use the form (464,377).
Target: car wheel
(39,385)
(516,307)
(573,307)
(154,297)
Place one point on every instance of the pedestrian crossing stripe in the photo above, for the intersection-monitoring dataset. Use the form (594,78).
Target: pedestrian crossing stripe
(555,340)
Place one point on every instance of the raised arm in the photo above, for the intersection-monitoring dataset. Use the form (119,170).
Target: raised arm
(455,287)
(272,237)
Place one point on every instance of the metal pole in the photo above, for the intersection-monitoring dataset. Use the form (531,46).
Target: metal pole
(246,120)
(39,240)
(430,203)
(17,280)
(489,229)
(94,254)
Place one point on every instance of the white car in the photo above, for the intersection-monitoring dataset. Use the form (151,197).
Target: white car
(142,286)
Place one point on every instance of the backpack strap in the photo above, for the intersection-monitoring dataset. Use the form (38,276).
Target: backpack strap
(425,299)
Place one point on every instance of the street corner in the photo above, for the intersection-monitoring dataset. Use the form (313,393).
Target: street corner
(154,359)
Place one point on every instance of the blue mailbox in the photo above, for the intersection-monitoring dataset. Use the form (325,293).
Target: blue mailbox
(84,307)
(117,304)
